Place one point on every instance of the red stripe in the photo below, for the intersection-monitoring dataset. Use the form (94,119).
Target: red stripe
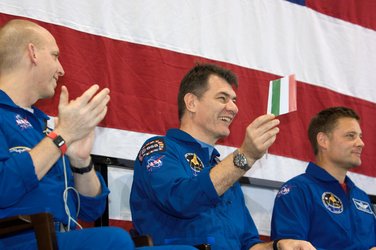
(361,12)
(144,83)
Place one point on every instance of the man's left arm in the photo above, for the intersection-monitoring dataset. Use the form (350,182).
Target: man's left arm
(86,183)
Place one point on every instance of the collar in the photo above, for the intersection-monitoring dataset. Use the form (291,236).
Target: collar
(7,101)
(180,135)
(321,174)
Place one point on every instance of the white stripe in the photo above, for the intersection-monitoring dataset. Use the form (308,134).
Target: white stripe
(270,98)
(321,50)
(125,144)
(284,96)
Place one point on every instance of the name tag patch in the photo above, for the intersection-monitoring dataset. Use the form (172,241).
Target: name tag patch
(362,206)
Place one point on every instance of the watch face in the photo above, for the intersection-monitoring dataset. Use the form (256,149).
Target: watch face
(240,161)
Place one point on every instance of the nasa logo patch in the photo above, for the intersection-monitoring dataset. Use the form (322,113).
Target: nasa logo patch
(154,162)
(23,123)
(284,190)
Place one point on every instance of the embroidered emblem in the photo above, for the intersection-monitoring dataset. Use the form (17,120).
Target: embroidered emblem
(153,146)
(332,202)
(194,162)
(284,190)
(23,123)
(154,162)
(362,206)
(19,149)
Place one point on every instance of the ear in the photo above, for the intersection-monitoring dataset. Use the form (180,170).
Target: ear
(322,140)
(32,53)
(190,101)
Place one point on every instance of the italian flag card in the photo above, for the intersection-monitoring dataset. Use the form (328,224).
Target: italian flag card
(282,95)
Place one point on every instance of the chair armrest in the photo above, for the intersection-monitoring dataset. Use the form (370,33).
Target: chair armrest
(203,247)
(142,240)
(41,223)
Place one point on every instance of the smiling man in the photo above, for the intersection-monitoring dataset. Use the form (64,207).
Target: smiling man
(323,206)
(182,193)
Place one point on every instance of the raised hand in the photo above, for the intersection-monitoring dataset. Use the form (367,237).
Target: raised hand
(77,118)
(259,136)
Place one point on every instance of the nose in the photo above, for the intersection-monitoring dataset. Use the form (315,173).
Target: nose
(231,106)
(60,70)
(360,142)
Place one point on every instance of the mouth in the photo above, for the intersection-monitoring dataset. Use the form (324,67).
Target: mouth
(226,119)
(357,153)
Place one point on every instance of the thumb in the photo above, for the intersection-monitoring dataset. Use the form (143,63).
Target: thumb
(64,96)
(56,121)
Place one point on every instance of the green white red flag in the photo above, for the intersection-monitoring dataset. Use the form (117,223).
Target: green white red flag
(282,95)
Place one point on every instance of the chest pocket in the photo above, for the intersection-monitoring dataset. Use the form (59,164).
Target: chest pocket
(363,218)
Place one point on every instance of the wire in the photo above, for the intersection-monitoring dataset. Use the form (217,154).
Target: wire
(65,198)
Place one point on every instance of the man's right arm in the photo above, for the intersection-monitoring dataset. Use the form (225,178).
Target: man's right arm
(77,118)
(259,136)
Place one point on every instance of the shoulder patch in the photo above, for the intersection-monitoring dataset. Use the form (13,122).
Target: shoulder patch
(153,146)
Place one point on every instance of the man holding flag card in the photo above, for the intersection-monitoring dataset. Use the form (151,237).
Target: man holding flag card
(182,193)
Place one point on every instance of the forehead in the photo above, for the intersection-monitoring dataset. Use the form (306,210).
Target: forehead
(48,40)
(218,85)
(346,124)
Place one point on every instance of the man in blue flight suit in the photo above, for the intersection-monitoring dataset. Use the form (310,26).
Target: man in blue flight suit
(46,169)
(182,192)
(323,205)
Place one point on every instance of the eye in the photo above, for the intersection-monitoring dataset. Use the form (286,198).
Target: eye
(56,55)
(222,99)
(351,136)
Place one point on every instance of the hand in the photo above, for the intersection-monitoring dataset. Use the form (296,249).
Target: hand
(289,244)
(78,118)
(79,151)
(260,135)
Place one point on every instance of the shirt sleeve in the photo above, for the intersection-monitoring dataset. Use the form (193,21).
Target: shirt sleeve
(290,218)
(91,208)
(251,235)
(166,182)
(17,174)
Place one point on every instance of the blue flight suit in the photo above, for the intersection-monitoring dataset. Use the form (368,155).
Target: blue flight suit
(314,207)
(22,193)
(174,200)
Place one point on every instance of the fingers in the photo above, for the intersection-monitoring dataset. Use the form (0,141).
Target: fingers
(260,135)
(88,94)
(265,122)
(78,117)
(264,129)
(100,100)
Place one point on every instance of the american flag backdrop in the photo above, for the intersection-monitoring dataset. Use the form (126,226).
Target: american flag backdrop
(141,50)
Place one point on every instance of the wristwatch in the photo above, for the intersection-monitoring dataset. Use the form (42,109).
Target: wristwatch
(58,141)
(240,161)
